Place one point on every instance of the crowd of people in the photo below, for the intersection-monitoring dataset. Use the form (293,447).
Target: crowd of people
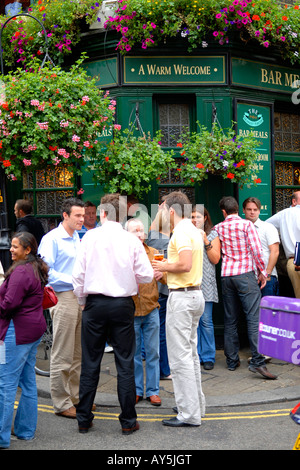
(113,289)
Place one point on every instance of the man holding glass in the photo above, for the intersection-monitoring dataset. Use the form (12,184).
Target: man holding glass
(185,307)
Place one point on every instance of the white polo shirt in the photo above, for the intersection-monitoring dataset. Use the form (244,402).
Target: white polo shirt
(268,235)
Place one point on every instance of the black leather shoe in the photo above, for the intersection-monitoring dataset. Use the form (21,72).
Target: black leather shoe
(84,430)
(176,423)
(234,367)
(263,371)
(208,365)
(127,431)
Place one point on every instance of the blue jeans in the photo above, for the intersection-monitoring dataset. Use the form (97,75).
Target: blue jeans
(18,371)
(271,288)
(206,335)
(163,351)
(241,290)
(148,327)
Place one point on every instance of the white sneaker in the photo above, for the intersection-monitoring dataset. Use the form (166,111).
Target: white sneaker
(108,349)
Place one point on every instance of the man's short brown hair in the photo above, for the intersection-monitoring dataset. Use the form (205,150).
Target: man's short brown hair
(179,202)
(115,207)
(255,201)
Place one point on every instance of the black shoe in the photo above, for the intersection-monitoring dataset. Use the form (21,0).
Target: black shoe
(235,366)
(208,365)
(83,429)
(127,431)
(176,423)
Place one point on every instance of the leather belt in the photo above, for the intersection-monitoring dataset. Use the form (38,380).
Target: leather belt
(185,289)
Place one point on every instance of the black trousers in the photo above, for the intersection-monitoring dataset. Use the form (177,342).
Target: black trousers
(107,319)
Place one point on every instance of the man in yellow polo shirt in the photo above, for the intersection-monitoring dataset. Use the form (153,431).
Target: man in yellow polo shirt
(184,309)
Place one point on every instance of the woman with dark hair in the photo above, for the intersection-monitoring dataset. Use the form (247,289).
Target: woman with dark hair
(22,325)
(211,256)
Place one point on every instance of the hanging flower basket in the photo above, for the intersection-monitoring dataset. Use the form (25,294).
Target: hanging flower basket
(217,153)
(129,164)
(51,117)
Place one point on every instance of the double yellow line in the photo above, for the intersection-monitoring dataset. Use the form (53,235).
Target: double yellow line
(147,417)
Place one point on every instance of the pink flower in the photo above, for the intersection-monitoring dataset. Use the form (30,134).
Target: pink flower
(86,143)
(56,161)
(80,191)
(34,102)
(43,125)
(75,138)
(86,98)
(117,127)
(27,162)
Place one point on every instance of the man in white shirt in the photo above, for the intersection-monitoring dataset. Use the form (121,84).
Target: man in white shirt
(287,223)
(269,239)
(58,248)
(111,263)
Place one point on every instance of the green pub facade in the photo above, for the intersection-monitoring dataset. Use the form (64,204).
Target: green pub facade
(166,88)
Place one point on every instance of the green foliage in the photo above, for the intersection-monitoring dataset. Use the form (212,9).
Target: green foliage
(146,23)
(23,38)
(129,164)
(220,153)
(50,116)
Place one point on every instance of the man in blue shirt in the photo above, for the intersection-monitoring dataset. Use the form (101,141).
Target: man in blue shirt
(90,218)
(58,248)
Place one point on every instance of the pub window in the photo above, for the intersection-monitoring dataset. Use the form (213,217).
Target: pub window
(47,189)
(287,156)
(174,115)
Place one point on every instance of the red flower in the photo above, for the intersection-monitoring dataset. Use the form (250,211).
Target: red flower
(258,180)
(256,17)
(230,176)
(179,144)
(107,158)
(6,163)
(52,148)
(199,165)
(5,106)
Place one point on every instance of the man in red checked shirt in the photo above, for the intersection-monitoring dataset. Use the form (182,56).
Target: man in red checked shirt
(242,269)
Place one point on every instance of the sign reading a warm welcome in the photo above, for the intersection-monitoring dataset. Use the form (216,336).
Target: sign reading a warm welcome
(197,70)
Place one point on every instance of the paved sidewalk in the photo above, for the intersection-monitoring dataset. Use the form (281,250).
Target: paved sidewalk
(221,387)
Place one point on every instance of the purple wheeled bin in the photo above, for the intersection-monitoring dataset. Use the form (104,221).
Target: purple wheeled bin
(279,328)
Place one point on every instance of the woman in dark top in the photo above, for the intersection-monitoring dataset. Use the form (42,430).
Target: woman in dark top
(22,325)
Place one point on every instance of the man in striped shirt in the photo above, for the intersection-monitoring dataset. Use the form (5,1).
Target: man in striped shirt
(242,269)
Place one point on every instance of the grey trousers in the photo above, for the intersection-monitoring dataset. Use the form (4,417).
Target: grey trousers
(184,310)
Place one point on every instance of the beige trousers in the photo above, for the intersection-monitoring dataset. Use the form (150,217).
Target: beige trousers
(184,310)
(65,364)
(294,277)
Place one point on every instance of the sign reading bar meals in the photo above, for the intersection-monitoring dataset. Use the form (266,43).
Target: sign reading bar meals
(254,74)
(193,70)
